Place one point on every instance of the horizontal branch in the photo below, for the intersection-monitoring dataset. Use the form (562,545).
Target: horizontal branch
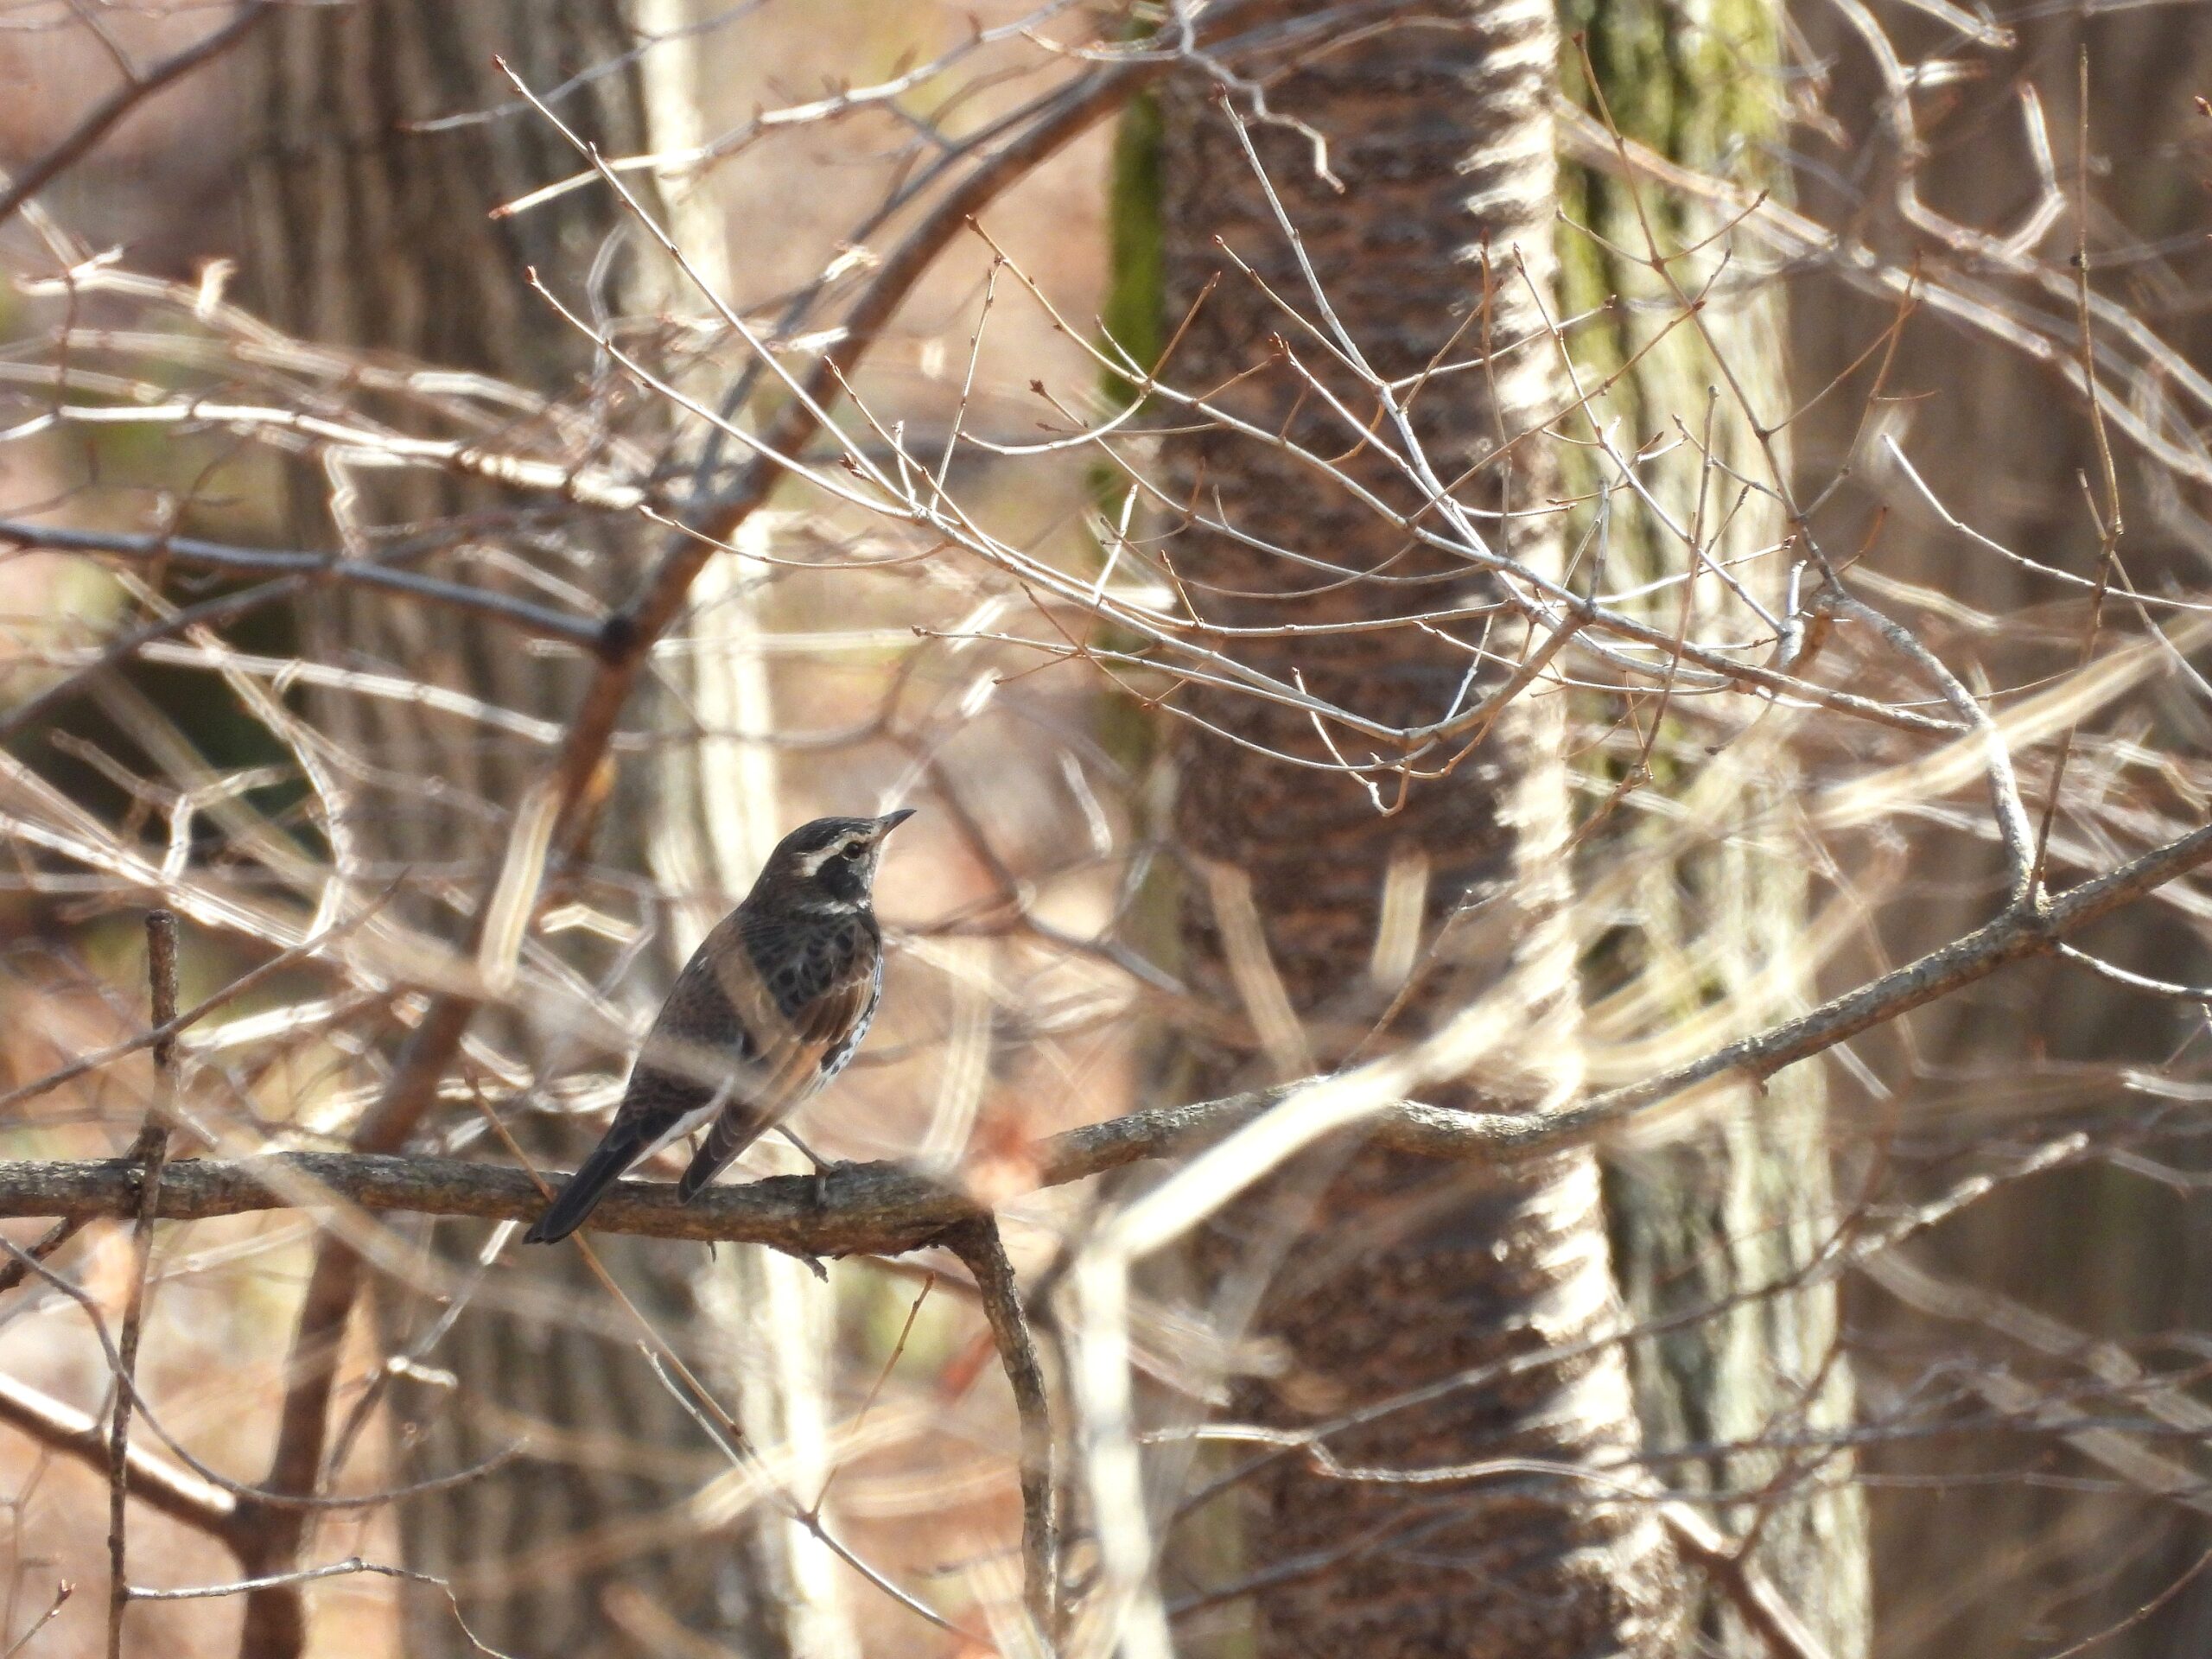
(859,1208)
(884,1209)
(539,620)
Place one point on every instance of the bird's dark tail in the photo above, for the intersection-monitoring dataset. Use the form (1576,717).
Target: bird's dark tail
(730,1134)
(584,1189)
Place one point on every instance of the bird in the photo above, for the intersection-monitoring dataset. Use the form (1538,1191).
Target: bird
(770,1007)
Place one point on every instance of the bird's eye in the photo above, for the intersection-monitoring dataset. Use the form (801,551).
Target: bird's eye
(853,849)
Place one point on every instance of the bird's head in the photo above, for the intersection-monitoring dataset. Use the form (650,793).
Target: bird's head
(831,863)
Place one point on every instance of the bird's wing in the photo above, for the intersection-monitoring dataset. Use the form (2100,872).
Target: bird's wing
(802,1018)
(744,1046)
(702,1043)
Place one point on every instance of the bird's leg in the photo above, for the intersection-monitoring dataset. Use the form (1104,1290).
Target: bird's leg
(823,1167)
(691,1150)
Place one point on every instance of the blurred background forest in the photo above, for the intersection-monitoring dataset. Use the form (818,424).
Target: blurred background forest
(390,586)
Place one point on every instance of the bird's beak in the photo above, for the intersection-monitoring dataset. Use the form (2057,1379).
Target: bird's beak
(891,821)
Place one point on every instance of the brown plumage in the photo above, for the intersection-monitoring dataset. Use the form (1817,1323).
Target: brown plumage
(769,1008)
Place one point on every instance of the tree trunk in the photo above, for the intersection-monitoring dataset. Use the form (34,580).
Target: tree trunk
(1403,1276)
(1741,1203)
(361,232)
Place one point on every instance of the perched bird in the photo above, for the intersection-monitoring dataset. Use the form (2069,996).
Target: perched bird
(769,1008)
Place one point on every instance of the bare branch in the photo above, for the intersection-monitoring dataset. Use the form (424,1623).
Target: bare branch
(97,122)
(1748,1590)
(62,1592)
(14,1271)
(978,1245)
(881,1209)
(164,1487)
(2013,936)
(537,619)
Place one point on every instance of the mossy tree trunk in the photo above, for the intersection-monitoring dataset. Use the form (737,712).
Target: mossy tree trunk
(1725,1216)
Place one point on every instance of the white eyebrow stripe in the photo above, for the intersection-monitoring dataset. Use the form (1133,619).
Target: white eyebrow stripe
(811,863)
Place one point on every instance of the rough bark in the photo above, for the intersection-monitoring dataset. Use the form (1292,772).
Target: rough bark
(360,232)
(1744,1201)
(1402,1277)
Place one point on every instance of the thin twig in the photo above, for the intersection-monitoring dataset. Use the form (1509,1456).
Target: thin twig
(2013,831)
(166,1488)
(543,621)
(2135,981)
(151,1152)
(1748,1590)
(62,1592)
(13,1273)
(87,133)
(292,1580)
(2110,525)
(163,1034)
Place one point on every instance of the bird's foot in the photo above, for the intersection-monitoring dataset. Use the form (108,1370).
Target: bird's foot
(824,1168)
(820,1184)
